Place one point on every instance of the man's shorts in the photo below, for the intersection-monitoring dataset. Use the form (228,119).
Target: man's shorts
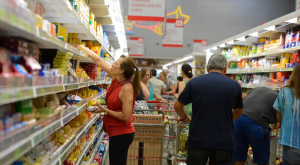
(247,132)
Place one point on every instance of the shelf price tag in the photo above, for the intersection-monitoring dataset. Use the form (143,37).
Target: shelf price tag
(4,96)
(2,14)
(13,19)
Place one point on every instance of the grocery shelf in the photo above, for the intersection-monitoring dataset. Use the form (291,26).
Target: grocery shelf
(268,29)
(32,136)
(88,145)
(96,149)
(19,27)
(64,151)
(18,94)
(254,86)
(271,53)
(258,70)
(61,11)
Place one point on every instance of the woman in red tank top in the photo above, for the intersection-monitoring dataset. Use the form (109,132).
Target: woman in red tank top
(120,99)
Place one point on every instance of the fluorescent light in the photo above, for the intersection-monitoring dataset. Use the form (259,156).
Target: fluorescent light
(294,20)
(255,34)
(222,45)
(271,28)
(241,38)
(214,48)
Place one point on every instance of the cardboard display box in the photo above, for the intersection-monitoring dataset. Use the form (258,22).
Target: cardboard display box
(148,119)
(152,154)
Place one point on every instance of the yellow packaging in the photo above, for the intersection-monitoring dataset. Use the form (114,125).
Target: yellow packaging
(95,25)
(78,41)
(70,35)
(39,21)
(241,50)
(63,30)
(248,49)
(284,59)
(75,35)
(89,43)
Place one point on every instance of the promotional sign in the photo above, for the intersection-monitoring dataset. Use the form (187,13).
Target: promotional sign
(199,45)
(174,33)
(146,10)
(136,47)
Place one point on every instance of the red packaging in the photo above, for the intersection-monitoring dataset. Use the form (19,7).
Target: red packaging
(296,57)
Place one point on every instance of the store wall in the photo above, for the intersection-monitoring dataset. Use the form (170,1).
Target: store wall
(213,20)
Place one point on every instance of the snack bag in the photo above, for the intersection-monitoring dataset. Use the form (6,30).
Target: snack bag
(247,51)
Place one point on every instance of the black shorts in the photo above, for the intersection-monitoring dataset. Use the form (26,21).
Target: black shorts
(118,148)
(215,157)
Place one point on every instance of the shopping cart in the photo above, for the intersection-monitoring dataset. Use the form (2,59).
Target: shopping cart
(181,142)
(147,147)
(170,121)
(170,97)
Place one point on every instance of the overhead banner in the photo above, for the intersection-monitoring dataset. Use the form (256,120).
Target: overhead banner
(174,33)
(146,10)
(136,47)
(199,45)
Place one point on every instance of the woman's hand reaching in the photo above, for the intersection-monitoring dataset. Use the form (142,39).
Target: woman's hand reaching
(77,46)
(100,109)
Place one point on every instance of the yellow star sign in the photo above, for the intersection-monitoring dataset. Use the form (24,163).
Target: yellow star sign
(177,12)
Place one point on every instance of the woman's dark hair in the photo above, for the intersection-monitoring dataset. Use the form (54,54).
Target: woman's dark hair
(179,78)
(128,65)
(187,70)
(294,82)
(154,72)
(143,72)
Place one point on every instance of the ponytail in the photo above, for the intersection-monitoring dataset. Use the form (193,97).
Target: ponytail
(137,81)
(128,65)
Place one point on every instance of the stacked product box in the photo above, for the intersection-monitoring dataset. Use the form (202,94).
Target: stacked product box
(147,144)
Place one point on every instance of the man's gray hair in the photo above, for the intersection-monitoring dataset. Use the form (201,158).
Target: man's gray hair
(217,62)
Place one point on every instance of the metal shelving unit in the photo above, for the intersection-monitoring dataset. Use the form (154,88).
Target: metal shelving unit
(17,94)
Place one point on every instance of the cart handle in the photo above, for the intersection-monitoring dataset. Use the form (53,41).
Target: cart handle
(154,101)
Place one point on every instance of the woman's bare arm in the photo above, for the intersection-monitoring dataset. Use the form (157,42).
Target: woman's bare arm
(181,87)
(97,59)
(145,91)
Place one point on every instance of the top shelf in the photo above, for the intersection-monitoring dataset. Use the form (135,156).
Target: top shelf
(64,13)
(268,29)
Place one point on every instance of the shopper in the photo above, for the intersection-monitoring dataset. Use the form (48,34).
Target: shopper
(144,93)
(168,84)
(158,85)
(120,99)
(186,73)
(176,86)
(217,101)
(252,128)
(287,105)
(179,79)
(145,74)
